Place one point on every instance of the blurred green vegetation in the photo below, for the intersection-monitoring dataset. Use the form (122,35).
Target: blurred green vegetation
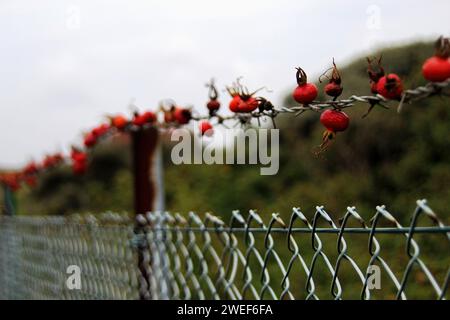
(386,158)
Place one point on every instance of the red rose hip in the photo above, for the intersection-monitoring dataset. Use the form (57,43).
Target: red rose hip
(390,86)
(305,92)
(90,140)
(119,122)
(206,128)
(182,115)
(248,105)
(234,103)
(437,68)
(334,87)
(213,105)
(334,120)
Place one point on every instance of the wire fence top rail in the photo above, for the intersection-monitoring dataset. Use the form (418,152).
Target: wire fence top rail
(172,256)
(381,230)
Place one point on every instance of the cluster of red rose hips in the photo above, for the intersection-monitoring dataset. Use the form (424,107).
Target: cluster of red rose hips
(389,86)
(334,120)
(11,180)
(243,103)
(29,173)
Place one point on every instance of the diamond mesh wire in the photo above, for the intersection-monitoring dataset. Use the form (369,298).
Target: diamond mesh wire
(171,256)
(36,252)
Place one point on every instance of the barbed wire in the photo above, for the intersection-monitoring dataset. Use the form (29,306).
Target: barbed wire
(265,108)
(408,96)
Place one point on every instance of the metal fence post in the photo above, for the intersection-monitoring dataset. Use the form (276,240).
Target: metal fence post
(144,148)
(9,201)
(158,169)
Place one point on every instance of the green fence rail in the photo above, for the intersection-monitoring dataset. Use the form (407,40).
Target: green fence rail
(171,256)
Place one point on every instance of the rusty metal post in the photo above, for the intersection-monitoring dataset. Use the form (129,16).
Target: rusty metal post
(144,148)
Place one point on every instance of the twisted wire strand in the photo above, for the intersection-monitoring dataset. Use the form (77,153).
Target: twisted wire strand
(294,248)
(317,246)
(251,250)
(270,252)
(221,274)
(189,264)
(247,274)
(342,250)
(265,276)
(231,254)
(204,276)
(172,243)
(170,286)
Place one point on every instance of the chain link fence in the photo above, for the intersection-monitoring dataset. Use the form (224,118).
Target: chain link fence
(36,252)
(173,256)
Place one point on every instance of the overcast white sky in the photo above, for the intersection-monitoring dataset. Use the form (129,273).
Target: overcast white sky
(65,64)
